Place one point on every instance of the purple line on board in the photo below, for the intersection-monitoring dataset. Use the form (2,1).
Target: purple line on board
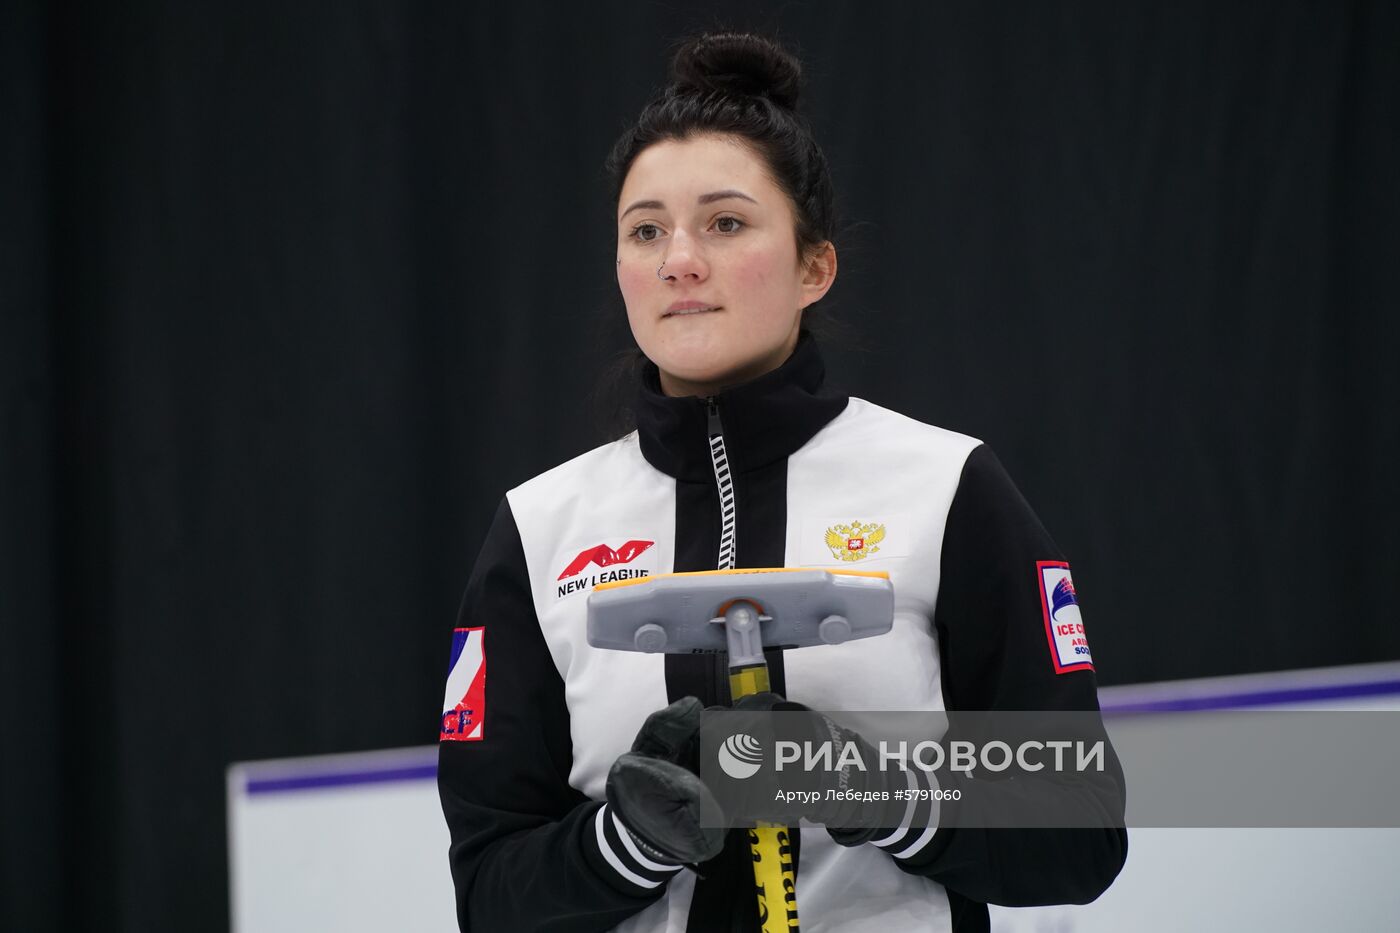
(1254,698)
(322,779)
(425,768)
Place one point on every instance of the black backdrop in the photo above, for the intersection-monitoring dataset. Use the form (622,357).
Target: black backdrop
(294,292)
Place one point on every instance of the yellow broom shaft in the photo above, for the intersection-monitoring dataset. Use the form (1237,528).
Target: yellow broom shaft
(771,843)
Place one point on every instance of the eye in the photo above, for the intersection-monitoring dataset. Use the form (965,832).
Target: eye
(735,224)
(640,233)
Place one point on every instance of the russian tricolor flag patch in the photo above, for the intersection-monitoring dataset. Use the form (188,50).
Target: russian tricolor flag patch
(464,706)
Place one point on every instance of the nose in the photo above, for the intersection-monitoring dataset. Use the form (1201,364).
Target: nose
(685,260)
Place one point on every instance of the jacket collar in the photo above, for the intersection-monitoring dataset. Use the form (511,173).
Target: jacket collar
(764,420)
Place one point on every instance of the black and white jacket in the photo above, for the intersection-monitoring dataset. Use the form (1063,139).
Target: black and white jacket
(772,473)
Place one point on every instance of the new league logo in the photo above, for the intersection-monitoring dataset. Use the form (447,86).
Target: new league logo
(603,556)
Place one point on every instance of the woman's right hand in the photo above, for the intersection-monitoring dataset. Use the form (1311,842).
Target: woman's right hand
(655,792)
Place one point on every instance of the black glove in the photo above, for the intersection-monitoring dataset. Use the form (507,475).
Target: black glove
(656,793)
(858,789)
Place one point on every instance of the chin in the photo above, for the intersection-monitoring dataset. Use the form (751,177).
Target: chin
(708,357)
(721,371)
(698,357)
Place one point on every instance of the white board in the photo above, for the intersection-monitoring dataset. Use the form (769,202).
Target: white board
(357,843)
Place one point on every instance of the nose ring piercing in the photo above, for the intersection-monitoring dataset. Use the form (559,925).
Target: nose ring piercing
(658,272)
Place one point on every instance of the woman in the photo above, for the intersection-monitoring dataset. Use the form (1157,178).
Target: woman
(741,459)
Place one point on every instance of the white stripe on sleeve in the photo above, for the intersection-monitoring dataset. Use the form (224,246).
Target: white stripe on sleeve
(613,858)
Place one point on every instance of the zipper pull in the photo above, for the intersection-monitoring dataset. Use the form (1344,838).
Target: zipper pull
(715,427)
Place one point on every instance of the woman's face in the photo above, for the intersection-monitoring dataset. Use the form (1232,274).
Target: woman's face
(731,302)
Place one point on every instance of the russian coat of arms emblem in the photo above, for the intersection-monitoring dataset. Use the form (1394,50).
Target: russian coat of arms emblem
(855,541)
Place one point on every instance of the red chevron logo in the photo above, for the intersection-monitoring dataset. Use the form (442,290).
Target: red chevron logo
(604,556)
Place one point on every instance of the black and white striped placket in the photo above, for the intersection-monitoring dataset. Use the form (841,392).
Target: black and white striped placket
(724,481)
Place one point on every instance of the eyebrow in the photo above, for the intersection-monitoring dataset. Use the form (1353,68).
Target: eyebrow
(703,199)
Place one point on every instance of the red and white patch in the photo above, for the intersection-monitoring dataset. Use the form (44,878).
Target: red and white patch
(1064,629)
(464,706)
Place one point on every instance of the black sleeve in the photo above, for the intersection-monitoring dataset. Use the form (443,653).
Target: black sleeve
(993,642)
(528,851)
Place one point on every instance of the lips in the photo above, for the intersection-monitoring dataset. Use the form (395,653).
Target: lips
(681,308)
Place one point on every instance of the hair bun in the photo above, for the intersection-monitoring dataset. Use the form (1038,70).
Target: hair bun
(738,64)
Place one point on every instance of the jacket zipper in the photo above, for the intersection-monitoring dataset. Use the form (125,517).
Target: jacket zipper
(740,918)
(724,482)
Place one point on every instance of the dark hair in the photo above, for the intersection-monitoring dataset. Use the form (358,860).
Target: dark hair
(747,86)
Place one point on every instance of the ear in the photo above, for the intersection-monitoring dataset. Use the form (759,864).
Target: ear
(818,273)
